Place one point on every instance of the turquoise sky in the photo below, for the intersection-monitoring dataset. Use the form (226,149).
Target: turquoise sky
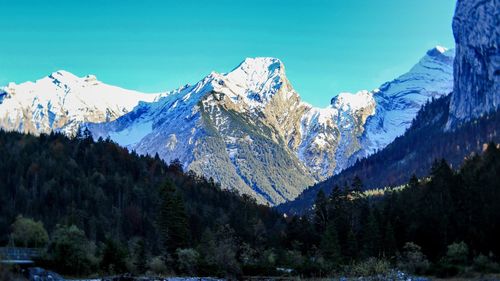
(327,46)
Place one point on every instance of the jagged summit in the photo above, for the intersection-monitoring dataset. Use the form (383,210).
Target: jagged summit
(258,78)
(252,84)
(260,65)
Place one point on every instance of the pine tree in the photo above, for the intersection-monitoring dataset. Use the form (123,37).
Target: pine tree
(390,246)
(140,258)
(413,182)
(172,222)
(351,247)
(330,244)
(321,212)
(357,185)
(371,237)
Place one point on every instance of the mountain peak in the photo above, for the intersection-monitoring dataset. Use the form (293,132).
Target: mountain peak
(440,51)
(259,68)
(257,78)
(264,64)
(63,74)
(66,77)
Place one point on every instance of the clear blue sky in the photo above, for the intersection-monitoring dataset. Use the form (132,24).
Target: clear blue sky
(327,46)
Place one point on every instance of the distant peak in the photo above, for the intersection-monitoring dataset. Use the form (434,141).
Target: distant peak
(438,51)
(441,49)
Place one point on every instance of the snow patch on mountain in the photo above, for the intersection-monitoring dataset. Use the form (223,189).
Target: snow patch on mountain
(398,101)
(62,102)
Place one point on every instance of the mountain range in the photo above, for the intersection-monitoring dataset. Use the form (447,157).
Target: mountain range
(61,102)
(248,129)
(454,127)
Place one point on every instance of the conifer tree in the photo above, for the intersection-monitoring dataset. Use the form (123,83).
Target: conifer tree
(371,236)
(330,244)
(389,241)
(351,247)
(321,212)
(172,220)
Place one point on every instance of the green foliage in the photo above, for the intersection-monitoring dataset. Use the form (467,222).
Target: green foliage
(226,250)
(172,221)
(413,260)
(330,247)
(28,233)
(113,258)
(370,267)
(138,257)
(457,253)
(70,251)
(371,236)
(484,264)
(187,260)
(449,206)
(166,221)
(157,266)
(106,191)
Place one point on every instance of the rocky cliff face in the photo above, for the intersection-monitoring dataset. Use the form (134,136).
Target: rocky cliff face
(476,27)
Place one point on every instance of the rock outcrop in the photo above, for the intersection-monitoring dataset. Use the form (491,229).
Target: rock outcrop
(476,27)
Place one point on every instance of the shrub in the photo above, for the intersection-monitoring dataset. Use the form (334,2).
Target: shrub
(70,251)
(455,260)
(157,266)
(371,267)
(187,260)
(484,264)
(114,257)
(457,253)
(413,260)
(28,233)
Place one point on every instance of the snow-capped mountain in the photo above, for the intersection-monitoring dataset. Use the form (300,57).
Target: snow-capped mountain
(398,101)
(249,130)
(232,127)
(63,101)
(357,125)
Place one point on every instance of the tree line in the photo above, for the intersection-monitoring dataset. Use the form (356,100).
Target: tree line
(96,208)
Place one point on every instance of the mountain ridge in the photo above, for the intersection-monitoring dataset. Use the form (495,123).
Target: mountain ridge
(62,102)
(248,129)
(317,142)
